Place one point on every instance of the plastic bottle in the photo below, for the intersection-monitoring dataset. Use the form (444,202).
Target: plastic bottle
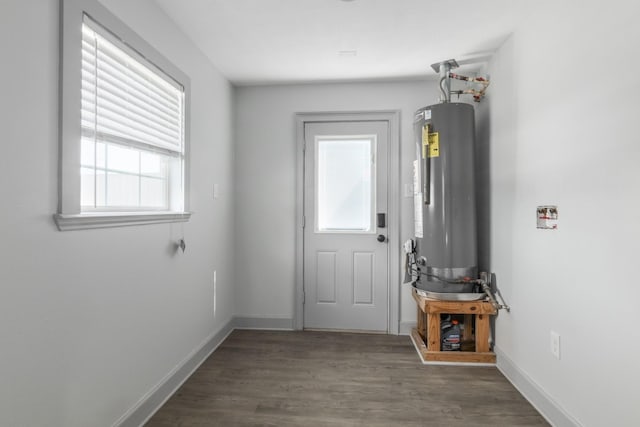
(451,336)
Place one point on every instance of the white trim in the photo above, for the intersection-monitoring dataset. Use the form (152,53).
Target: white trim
(68,222)
(536,395)
(392,117)
(270,323)
(153,400)
(393,213)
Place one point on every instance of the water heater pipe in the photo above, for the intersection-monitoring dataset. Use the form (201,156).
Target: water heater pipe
(487,290)
(443,68)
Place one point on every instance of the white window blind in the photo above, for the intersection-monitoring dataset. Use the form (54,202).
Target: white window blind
(132,118)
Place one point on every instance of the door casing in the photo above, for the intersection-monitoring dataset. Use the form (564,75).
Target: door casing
(392,117)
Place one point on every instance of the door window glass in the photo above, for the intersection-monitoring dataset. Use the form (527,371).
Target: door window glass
(345,184)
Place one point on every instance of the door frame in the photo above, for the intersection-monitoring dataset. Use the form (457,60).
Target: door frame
(394,257)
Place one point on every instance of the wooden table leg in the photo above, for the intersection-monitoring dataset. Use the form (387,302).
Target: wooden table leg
(482,333)
(433,334)
(467,334)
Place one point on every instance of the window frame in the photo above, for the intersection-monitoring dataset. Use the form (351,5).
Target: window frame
(69,215)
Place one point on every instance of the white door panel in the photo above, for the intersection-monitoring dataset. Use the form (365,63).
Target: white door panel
(363,277)
(326,283)
(345,266)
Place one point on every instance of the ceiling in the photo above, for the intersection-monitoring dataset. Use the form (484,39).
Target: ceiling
(288,41)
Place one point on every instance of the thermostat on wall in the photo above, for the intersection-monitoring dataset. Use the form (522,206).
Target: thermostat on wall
(547,217)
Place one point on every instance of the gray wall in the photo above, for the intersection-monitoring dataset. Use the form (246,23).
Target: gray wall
(265,166)
(548,135)
(564,131)
(91,321)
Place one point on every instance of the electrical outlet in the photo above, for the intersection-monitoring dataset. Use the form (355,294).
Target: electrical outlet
(555,344)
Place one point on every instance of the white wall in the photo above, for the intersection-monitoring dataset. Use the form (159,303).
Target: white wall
(266,180)
(563,130)
(557,128)
(92,320)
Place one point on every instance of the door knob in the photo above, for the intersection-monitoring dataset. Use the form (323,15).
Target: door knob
(381,238)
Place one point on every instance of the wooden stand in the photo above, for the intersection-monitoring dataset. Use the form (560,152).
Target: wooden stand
(427,333)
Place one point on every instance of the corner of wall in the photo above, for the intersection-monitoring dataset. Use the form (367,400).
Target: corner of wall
(153,400)
(535,394)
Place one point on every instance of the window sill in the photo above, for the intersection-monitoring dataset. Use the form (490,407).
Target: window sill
(68,222)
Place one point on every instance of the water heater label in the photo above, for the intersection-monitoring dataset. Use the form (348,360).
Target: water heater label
(425,141)
(434,144)
(417,215)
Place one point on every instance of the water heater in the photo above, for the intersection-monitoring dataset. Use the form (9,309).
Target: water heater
(446,230)
(442,261)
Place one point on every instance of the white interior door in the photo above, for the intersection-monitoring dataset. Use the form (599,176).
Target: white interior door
(345,247)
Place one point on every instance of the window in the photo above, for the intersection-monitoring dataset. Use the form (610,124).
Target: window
(123,126)
(132,128)
(345,184)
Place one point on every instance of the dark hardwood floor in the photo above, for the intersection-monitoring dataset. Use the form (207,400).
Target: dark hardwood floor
(279,378)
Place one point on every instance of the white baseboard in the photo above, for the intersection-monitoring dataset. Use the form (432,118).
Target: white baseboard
(406,327)
(153,400)
(535,394)
(142,411)
(274,323)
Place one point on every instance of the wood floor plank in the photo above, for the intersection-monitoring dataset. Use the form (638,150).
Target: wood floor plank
(280,378)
